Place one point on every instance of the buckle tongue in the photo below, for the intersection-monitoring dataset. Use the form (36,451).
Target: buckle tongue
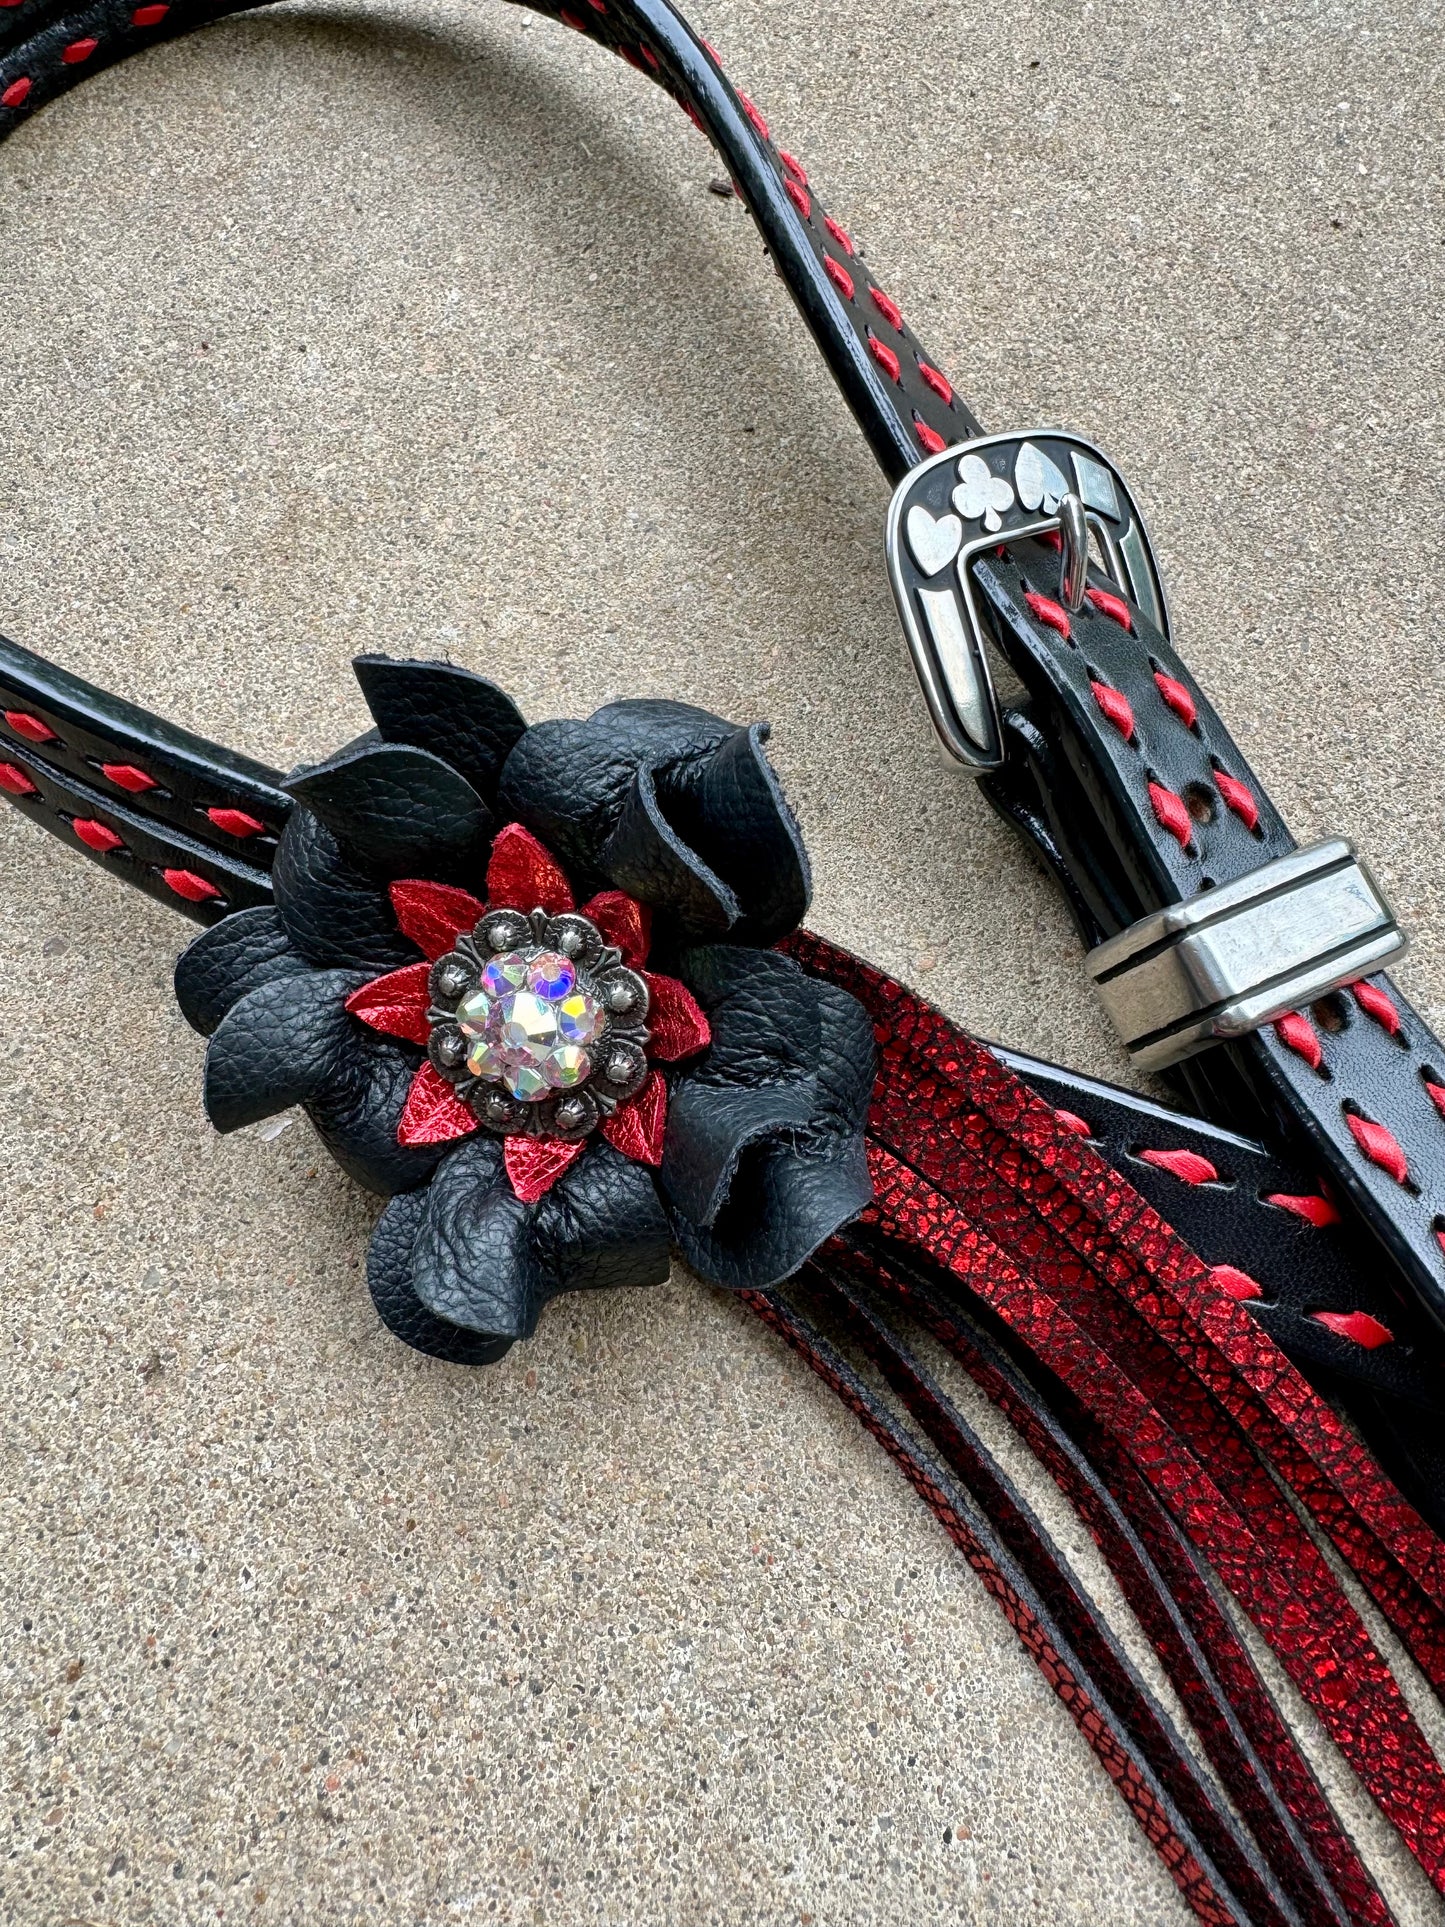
(972,498)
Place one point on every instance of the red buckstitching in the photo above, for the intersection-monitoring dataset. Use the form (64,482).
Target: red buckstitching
(1379,1145)
(1375,1003)
(1357,1326)
(1297,1033)
(884,356)
(794,167)
(888,308)
(1308,1205)
(1172,814)
(1108,605)
(187,884)
(1188,1165)
(840,234)
(1239,797)
(930,437)
(79,50)
(1236,1283)
(96,835)
(799,199)
(1177,697)
(839,276)
(1047,612)
(753,115)
(647,54)
(15,782)
(235,822)
(127,777)
(1115,705)
(30,727)
(17,93)
(1071,1121)
(148,16)
(1436,1094)
(940,384)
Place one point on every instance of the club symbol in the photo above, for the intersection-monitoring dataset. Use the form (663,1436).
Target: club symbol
(981,493)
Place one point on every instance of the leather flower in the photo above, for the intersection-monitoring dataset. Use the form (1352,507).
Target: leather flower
(519,980)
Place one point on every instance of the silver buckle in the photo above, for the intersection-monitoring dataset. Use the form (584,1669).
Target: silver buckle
(972,497)
(1232,960)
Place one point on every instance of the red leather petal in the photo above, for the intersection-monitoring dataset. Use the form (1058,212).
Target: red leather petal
(623,921)
(636,1127)
(434,915)
(534,1164)
(522,875)
(396,1003)
(675,1019)
(434,1114)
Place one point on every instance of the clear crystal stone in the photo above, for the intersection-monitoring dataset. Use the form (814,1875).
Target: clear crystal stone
(579,1018)
(569,1064)
(473,1012)
(550,974)
(505,973)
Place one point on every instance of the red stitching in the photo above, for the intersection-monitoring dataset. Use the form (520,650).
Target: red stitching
(799,199)
(1375,1003)
(79,50)
(1172,814)
(1358,1326)
(1308,1205)
(235,822)
(1379,1145)
(1071,1121)
(753,115)
(1435,1092)
(884,356)
(940,384)
(839,276)
(16,783)
(97,836)
(1177,697)
(17,93)
(1297,1033)
(888,308)
(148,16)
(1239,797)
(840,235)
(1188,1165)
(794,167)
(187,884)
(1237,1284)
(930,437)
(1047,612)
(647,54)
(1115,705)
(30,727)
(1108,605)
(1051,539)
(127,777)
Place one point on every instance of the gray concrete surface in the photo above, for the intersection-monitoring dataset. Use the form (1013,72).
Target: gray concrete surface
(344,328)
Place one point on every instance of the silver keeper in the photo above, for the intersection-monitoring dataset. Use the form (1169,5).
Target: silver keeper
(1238,956)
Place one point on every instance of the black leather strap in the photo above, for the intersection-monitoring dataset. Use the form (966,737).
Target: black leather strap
(1080,784)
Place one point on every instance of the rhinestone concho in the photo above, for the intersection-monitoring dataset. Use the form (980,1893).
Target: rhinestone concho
(538,1023)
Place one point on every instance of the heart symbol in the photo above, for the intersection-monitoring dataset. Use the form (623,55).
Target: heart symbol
(981,493)
(1039,481)
(934,543)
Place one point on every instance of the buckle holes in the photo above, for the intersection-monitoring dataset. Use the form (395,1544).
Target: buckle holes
(1331,1014)
(1198,802)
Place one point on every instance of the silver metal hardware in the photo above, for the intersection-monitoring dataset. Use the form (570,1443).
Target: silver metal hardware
(958,506)
(1074,552)
(1233,959)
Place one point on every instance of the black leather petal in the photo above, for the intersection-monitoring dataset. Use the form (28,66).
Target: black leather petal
(283,1043)
(236,955)
(568,781)
(397,811)
(648,859)
(356,1115)
(728,807)
(388,1274)
(758,1078)
(335,915)
(790,1194)
(486,1261)
(437,706)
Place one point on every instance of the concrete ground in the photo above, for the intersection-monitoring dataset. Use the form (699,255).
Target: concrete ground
(339,328)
